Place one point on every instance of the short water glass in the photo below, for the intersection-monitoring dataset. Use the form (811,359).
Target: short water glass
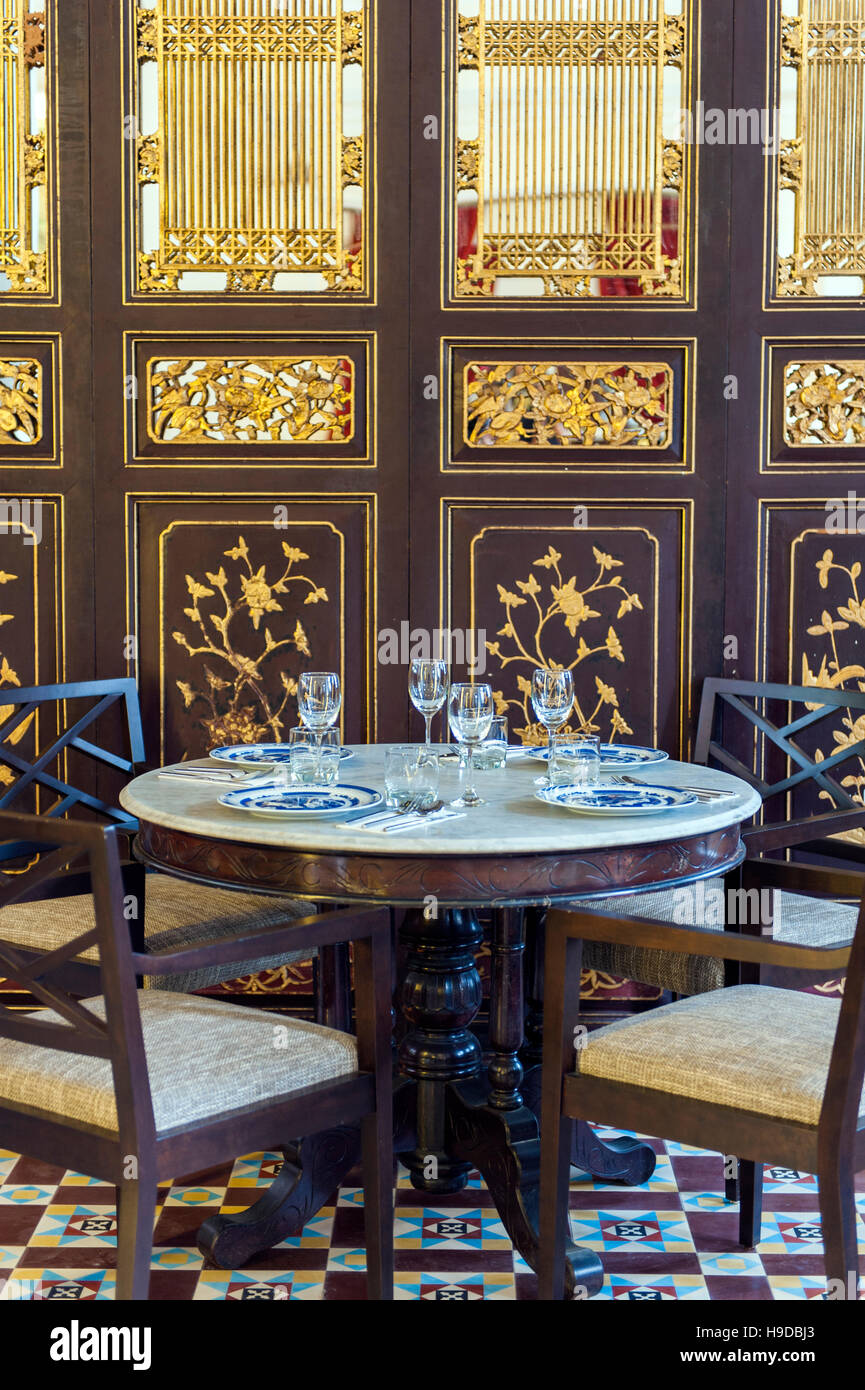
(411,777)
(575,761)
(312,764)
(493,752)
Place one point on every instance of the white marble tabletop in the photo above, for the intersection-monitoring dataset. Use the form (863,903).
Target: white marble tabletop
(511,821)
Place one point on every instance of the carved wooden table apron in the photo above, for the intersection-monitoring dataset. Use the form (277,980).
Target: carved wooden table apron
(510,855)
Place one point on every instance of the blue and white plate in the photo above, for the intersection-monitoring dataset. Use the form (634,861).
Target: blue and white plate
(303,803)
(614,801)
(615,757)
(256,755)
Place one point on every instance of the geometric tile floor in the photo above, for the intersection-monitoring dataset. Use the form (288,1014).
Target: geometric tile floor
(672,1238)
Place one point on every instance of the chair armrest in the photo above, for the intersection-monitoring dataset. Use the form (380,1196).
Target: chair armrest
(762,839)
(325,930)
(806,878)
(697,941)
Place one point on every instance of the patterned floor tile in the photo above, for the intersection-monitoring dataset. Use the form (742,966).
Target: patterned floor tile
(632,1231)
(426,1228)
(13,1194)
(262,1285)
(455,1288)
(259,1170)
(195,1197)
(171,1258)
(707,1201)
(70,1284)
(735,1263)
(785,1233)
(788,1180)
(660,1289)
(76,1225)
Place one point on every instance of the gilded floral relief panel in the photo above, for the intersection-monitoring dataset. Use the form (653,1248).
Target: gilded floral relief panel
(553,585)
(235,600)
(570,405)
(817,415)
(258,400)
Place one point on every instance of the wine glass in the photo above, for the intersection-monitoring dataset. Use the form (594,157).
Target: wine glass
(552,699)
(428,689)
(319,700)
(470,714)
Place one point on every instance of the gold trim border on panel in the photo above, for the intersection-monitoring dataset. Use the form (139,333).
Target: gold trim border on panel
(684,506)
(688,346)
(825,347)
(56,502)
(33,456)
(367,342)
(135,501)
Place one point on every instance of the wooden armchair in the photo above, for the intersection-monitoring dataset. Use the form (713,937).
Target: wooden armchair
(768,1074)
(135,1086)
(64,776)
(735,732)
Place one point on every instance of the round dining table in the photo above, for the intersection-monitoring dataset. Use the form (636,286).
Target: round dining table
(513,857)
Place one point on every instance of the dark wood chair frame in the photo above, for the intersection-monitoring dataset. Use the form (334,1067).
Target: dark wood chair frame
(365,1096)
(332,979)
(834,1149)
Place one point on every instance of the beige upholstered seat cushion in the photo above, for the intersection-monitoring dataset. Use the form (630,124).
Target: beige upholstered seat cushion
(806,921)
(751,1047)
(176,914)
(204,1057)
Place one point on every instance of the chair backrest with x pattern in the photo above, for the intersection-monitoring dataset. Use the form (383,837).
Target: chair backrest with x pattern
(117,1037)
(737,732)
(47,768)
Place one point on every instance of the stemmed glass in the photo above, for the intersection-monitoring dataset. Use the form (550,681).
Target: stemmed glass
(553,700)
(470,714)
(319,700)
(428,689)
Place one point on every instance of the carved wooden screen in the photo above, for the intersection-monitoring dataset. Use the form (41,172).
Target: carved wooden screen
(797,455)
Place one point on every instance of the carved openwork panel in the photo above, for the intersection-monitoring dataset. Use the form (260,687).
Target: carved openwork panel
(250,158)
(814,391)
(253,399)
(27,155)
(820,185)
(571,176)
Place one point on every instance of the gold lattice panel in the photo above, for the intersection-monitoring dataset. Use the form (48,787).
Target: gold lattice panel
(569,168)
(823,165)
(244,145)
(27,156)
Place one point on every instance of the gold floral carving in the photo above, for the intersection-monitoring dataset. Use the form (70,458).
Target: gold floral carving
(148,159)
(791,163)
(570,607)
(352,161)
(226,615)
(468,164)
(20,401)
(825,404)
(792,40)
(839,672)
(8,677)
(251,400)
(586,405)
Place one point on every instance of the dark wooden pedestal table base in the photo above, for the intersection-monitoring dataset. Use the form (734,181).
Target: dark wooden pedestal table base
(451,1115)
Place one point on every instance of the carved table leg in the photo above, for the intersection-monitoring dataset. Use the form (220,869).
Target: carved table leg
(313,1169)
(625,1160)
(441,993)
(506,1008)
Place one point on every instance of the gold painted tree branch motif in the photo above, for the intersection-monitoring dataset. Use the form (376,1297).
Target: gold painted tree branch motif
(570,607)
(8,677)
(824,403)
(251,400)
(20,401)
(585,405)
(238,706)
(835,672)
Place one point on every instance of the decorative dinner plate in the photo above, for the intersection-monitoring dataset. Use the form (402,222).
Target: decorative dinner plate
(615,757)
(259,754)
(614,801)
(302,803)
